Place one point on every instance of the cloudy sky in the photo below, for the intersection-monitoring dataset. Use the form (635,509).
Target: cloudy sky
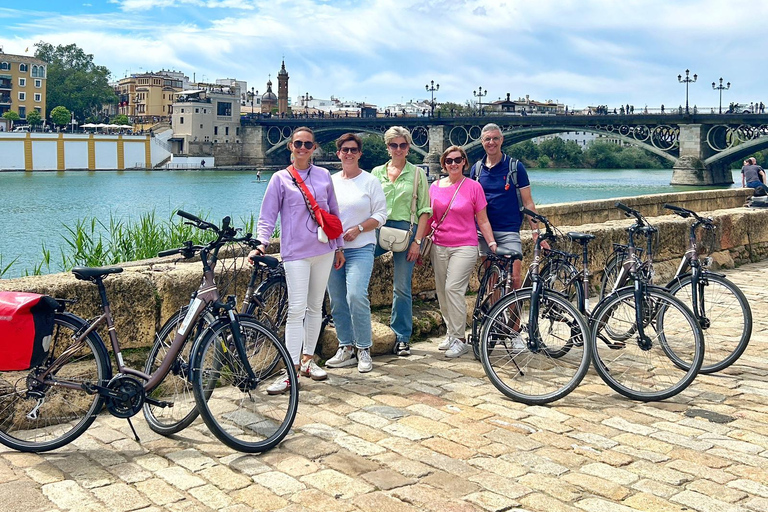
(579,52)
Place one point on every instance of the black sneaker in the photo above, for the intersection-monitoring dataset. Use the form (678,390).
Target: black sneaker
(402,349)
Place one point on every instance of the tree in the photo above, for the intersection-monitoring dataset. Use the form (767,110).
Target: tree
(12,116)
(449,108)
(374,152)
(60,116)
(121,119)
(74,81)
(34,118)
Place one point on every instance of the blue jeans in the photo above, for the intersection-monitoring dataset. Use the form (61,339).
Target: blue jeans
(401,320)
(758,185)
(350,307)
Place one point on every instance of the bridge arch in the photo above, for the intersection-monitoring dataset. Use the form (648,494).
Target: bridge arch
(516,135)
(738,152)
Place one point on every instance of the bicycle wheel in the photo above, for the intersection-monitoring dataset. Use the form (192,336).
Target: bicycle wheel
(488,294)
(562,276)
(529,373)
(176,387)
(243,417)
(726,318)
(272,311)
(643,368)
(610,274)
(37,417)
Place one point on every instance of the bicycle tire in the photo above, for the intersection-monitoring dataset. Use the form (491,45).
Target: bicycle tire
(610,274)
(270,305)
(65,413)
(246,420)
(562,276)
(176,386)
(487,295)
(727,325)
(638,371)
(529,376)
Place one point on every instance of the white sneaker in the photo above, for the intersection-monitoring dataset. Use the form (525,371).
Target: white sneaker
(518,344)
(282,384)
(310,369)
(446,343)
(345,356)
(458,349)
(364,363)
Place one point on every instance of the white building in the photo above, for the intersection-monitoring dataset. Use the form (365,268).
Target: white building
(205,113)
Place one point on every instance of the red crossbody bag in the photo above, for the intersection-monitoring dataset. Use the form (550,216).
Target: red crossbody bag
(328,222)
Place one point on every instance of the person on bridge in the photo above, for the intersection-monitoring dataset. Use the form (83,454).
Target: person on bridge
(495,175)
(363,209)
(397,180)
(307,254)
(753,176)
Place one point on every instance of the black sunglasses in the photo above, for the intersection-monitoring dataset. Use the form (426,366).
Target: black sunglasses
(308,144)
(402,145)
(349,150)
(451,161)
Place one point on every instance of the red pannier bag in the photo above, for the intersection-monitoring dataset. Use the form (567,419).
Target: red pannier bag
(26,326)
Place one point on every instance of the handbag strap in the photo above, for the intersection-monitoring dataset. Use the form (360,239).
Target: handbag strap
(413,199)
(449,205)
(309,199)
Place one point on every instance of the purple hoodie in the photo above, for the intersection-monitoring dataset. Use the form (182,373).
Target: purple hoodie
(298,232)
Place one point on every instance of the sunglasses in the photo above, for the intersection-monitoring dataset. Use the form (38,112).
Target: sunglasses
(451,161)
(308,144)
(401,146)
(349,150)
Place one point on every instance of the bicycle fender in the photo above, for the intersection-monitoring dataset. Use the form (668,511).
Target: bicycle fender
(100,345)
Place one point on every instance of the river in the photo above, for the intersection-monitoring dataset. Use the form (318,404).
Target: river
(36,207)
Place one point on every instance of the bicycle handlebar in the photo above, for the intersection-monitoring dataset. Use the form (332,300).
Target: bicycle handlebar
(631,212)
(685,213)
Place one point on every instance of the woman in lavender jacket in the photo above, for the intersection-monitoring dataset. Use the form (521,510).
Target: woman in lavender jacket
(307,260)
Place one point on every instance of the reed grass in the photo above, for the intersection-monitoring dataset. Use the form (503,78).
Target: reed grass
(94,243)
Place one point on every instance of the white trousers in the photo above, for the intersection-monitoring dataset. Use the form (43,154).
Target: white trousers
(453,266)
(306,281)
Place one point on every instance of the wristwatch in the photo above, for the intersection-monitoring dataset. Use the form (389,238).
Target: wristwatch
(417,240)
(360,227)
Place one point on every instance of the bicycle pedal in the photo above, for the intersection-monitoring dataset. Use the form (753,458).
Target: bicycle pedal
(158,403)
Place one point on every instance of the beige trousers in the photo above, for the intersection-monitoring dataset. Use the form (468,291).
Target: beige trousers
(453,266)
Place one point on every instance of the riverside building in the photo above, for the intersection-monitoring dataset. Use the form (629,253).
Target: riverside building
(22,86)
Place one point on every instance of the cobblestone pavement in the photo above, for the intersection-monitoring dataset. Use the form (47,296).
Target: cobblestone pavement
(429,433)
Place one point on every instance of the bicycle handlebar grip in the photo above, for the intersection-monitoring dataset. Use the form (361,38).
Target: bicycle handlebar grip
(678,210)
(626,209)
(167,252)
(188,216)
(225,223)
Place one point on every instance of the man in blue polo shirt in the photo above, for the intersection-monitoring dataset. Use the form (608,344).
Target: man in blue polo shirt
(503,207)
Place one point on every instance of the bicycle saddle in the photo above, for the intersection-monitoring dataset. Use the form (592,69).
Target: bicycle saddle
(88,273)
(511,253)
(581,237)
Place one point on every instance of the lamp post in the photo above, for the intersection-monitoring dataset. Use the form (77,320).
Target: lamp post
(253,97)
(306,99)
(434,87)
(687,80)
(479,93)
(721,88)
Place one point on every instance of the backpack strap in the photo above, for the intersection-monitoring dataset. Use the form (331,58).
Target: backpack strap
(511,177)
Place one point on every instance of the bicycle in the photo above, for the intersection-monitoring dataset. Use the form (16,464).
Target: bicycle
(719,306)
(534,344)
(49,406)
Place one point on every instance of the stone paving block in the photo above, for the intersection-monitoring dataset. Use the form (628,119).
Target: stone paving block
(121,497)
(310,447)
(556,487)
(151,462)
(519,441)
(756,504)
(598,486)
(504,486)
(372,435)
(716,490)
(703,503)
(279,483)
(387,479)
(180,478)
(449,484)
(682,440)
(191,459)
(651,503)
(733,444)
(359,446)
(130,472)
(536,463)
(369,419)
(617,475)
(660,473)
(699,471)
(159,491)
(403,465)
(224,478)
(702,459)
(755,474)
(622,424)
(644,442)
(211,496)
(448,447)
(739,457)
(491,502)
(567,458)
(259,498)
(337,484)
(542,503)
(67,494)
(349,463)
(381,502)
(635,453)
(21,496)
(601,505)
(405,431)
(314,500)
(500,467)
(750,487)
(42,474)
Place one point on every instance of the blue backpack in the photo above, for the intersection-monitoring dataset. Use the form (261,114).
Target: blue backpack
(511,178)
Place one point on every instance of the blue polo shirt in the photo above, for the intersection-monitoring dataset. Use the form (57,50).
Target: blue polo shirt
(503,209)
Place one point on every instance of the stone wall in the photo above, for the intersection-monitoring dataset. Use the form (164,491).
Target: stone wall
(148,292)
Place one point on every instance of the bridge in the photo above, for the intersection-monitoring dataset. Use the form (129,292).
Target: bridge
(701,146)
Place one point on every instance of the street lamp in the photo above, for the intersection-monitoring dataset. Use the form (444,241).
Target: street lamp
(687,80)
(721,88)
(479,93)
(434,87)
(306,99)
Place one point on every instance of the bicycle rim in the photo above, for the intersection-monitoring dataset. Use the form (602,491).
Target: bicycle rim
(248,420)
(65,413)
(532,375)
(727,322)
(644,369)
(273,311)
(176,386)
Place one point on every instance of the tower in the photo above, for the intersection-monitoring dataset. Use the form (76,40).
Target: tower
(282,90)
(268,100)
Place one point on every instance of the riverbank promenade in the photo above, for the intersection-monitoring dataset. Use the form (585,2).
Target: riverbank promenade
(430,433)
